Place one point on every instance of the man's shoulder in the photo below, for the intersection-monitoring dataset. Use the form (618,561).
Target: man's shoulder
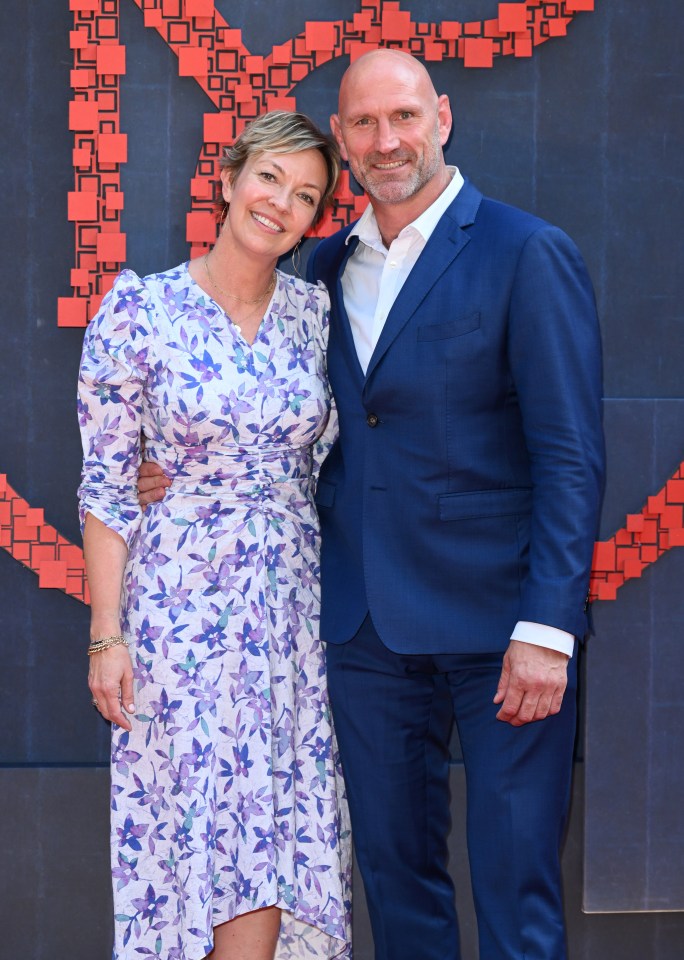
(478,213)
(330,245)
(499,212)
(325,253)
(519,224)
(507,231)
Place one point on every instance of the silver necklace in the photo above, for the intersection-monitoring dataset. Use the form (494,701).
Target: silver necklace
(233,296)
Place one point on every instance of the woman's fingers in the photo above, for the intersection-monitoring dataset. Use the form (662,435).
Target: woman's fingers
(110,678)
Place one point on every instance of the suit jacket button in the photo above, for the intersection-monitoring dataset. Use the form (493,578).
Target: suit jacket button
(372,420)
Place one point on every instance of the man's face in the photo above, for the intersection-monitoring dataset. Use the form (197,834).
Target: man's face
(391,128)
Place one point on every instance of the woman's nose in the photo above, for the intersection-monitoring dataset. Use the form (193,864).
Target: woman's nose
(280,199)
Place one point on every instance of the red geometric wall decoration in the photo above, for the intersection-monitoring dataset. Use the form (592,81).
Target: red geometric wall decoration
(240,86)
(645,537)
(26,536)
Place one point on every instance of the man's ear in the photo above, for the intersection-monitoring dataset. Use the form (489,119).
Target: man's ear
(336,127)
(444,118)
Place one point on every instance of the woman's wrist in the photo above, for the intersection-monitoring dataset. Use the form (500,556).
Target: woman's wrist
(105,643)
(104,628)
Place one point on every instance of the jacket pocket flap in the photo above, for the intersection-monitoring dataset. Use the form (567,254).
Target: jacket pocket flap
(449,328)
(485,503)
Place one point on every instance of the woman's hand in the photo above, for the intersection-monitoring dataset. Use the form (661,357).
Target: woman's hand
(110,679)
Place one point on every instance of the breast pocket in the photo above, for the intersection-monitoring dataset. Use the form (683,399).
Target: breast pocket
(448,329)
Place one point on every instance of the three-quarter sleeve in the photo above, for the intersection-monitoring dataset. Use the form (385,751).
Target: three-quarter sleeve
(113,372)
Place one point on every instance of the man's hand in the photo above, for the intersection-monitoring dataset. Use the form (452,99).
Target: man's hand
(532,683)
(152,483)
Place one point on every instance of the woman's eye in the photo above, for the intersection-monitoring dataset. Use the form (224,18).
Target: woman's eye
(267,175)
(307,198)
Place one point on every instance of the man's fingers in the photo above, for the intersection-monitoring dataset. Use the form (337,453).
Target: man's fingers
(147,484)
(148,468)
(543,705)
(525,706)
(511,704)
(152,496)
(534,679)
(151,486)
(504,680)
(556,702)
(528,711)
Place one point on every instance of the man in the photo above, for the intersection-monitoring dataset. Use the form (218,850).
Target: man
(459,509)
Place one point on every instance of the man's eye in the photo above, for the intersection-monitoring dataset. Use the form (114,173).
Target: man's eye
(363,122)
(405,115)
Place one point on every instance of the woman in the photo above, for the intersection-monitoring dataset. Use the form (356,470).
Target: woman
(230,834)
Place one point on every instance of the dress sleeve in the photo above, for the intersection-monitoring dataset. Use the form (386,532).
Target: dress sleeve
(327,439)
(112,377)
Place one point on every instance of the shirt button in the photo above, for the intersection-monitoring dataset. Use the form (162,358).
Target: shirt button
(393,263)
(372,420)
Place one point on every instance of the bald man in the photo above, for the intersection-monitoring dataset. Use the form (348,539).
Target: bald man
(459,508)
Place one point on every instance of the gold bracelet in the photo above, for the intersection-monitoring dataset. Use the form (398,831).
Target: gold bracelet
(104,643)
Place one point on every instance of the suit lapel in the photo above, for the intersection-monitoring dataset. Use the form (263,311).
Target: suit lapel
(339,311)
(446,242)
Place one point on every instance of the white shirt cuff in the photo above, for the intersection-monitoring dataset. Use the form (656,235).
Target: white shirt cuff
(542,636)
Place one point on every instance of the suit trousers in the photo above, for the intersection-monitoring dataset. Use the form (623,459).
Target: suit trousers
(393,714)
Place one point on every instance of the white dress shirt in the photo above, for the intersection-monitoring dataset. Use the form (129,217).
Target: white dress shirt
(371,282)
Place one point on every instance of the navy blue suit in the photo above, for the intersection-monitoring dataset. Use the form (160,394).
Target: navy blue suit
(463,495)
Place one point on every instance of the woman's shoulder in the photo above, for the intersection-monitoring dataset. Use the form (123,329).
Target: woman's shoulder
(175,275)
(122,304)
(314,296)
(133,306)
(128,280)
(166,295)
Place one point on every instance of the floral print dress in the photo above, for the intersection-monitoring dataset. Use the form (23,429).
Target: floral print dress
(227,796)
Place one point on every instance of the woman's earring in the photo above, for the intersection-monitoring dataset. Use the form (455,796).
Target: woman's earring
(223,217)
(296,259)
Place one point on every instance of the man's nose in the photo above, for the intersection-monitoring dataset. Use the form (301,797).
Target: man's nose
(386,137)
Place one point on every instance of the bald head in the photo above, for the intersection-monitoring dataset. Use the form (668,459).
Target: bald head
(385,67)
(391,127)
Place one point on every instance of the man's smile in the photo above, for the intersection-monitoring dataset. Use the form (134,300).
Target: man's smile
(390,165)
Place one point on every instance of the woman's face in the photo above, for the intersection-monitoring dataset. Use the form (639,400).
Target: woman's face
(273,200)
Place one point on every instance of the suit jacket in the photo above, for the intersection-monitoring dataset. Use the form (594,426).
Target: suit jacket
(463,493)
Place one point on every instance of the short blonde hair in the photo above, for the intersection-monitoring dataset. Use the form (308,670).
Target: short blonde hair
(280,131)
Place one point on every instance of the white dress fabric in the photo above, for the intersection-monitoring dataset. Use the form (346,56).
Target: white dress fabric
(227,796)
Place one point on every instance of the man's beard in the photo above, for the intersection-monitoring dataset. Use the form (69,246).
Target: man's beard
(385,190)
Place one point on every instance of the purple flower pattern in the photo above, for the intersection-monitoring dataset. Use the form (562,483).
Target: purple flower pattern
(227,796)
